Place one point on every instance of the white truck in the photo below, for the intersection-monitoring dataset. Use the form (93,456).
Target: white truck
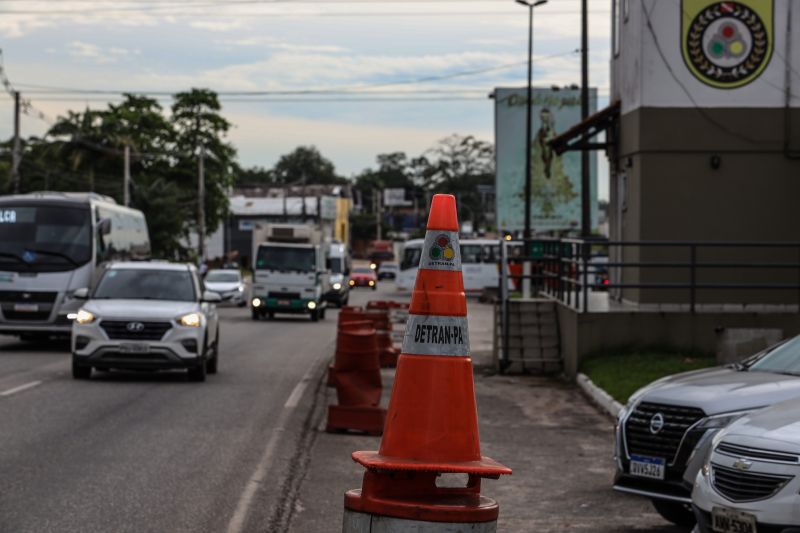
(290,273)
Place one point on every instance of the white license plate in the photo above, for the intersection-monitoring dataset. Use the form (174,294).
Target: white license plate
(732,521)
(134,347)
(649,467)
(26,308)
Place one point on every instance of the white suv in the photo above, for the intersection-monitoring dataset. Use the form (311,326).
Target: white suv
(146,316)
(750,481)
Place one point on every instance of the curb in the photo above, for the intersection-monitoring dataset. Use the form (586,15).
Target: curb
(600,397)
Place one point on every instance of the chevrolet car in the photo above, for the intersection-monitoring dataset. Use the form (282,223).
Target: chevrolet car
(750,482)
(665,431)
(146,316)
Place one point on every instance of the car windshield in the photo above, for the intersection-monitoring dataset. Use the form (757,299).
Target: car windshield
(222,277)
(388,266)
(362,271)
(783,358)
(286,258)
(44,238)
(411,258)
(146,284)
(335,265)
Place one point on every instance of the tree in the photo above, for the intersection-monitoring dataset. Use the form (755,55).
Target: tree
(305,165)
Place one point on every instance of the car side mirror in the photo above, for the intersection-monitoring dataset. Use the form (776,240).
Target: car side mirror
(104,226)
(81,294)
(211,297)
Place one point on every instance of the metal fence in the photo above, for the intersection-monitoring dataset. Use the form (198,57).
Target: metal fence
(687,272)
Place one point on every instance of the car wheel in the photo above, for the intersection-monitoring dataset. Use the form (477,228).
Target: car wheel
(314,315)
(375,287)
(80,372)
(322,314)
(198,372)
(255,314)
(678,513)
(270,315)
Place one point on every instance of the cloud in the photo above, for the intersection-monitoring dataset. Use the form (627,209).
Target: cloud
(97,54)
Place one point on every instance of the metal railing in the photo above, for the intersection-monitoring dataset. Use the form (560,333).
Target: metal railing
(568,270)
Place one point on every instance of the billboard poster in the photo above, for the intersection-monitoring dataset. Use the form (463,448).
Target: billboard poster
(555,180)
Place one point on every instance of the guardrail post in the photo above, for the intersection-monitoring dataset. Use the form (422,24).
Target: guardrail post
(504,277)
(692,274)
(587,248)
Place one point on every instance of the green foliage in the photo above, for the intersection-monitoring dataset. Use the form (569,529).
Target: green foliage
(623,373)
(84,151)
(305,165)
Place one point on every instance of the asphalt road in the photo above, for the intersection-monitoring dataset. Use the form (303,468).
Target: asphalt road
(146,452)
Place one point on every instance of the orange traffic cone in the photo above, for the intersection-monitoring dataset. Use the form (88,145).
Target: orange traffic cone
(432,423)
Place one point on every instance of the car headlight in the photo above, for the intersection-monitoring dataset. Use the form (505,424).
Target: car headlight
(240,288)
(337,286)
(371,283)
(721,421)
(192,320)
(256,302)
(312,305)
(352,282)
(84,317)
(373,266)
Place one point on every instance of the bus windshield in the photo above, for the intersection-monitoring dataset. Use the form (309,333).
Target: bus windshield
(44,238)
(411,257)
(285,258)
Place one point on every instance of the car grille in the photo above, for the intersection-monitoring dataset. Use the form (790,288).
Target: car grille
(735,450)
(743,486)
(284,295)
(118,330)
(639,440)
(24,297)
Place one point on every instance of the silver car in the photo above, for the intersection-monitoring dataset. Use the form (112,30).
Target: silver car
(148,316)
(228,284)
(664,433)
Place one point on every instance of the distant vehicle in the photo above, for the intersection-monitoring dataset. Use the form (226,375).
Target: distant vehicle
(228,283)
(363,277)
(148,316)
(388,271)
(665,431)
(339,266)
(380,251)
(751,480)
(290,272)
(51,244)
(598,272)
(479,259)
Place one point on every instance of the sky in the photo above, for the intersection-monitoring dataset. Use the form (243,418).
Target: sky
(355,78)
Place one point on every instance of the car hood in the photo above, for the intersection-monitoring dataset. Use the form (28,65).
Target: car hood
(139,309)
(777,428)
(721,389)
(222,286)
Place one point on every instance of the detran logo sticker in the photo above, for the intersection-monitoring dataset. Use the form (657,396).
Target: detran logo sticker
(442,248)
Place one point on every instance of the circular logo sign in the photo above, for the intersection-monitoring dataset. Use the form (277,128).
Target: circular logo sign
(442,249)
(727,44)
(656,423)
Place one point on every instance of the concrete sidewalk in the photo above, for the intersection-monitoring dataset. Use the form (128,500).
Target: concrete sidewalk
(558,444)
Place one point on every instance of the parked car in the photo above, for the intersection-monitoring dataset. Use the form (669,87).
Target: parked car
(388,271)
(228,283)
(665,431)
(148,316)
(751,480)
(363,277)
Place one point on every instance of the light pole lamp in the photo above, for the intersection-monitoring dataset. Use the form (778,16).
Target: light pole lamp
(528,126)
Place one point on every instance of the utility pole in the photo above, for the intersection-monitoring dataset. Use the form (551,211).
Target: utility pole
(15,154)
(201,205)
(376,200)
(586,193)
(126,179)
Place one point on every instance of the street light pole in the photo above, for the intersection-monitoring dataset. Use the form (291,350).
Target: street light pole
(529,112)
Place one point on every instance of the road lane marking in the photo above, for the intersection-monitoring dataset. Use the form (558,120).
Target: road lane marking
(237,522)
(21,388)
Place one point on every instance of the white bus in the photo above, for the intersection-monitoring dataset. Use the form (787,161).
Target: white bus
(479,259)
(52,243)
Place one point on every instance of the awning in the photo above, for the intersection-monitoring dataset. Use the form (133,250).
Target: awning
(577,137)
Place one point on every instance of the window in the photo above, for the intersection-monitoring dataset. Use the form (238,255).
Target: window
(146,284)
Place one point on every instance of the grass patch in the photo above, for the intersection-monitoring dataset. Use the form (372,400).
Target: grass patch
(622,374)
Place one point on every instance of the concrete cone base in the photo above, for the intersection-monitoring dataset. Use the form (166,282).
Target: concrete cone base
(366,523)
